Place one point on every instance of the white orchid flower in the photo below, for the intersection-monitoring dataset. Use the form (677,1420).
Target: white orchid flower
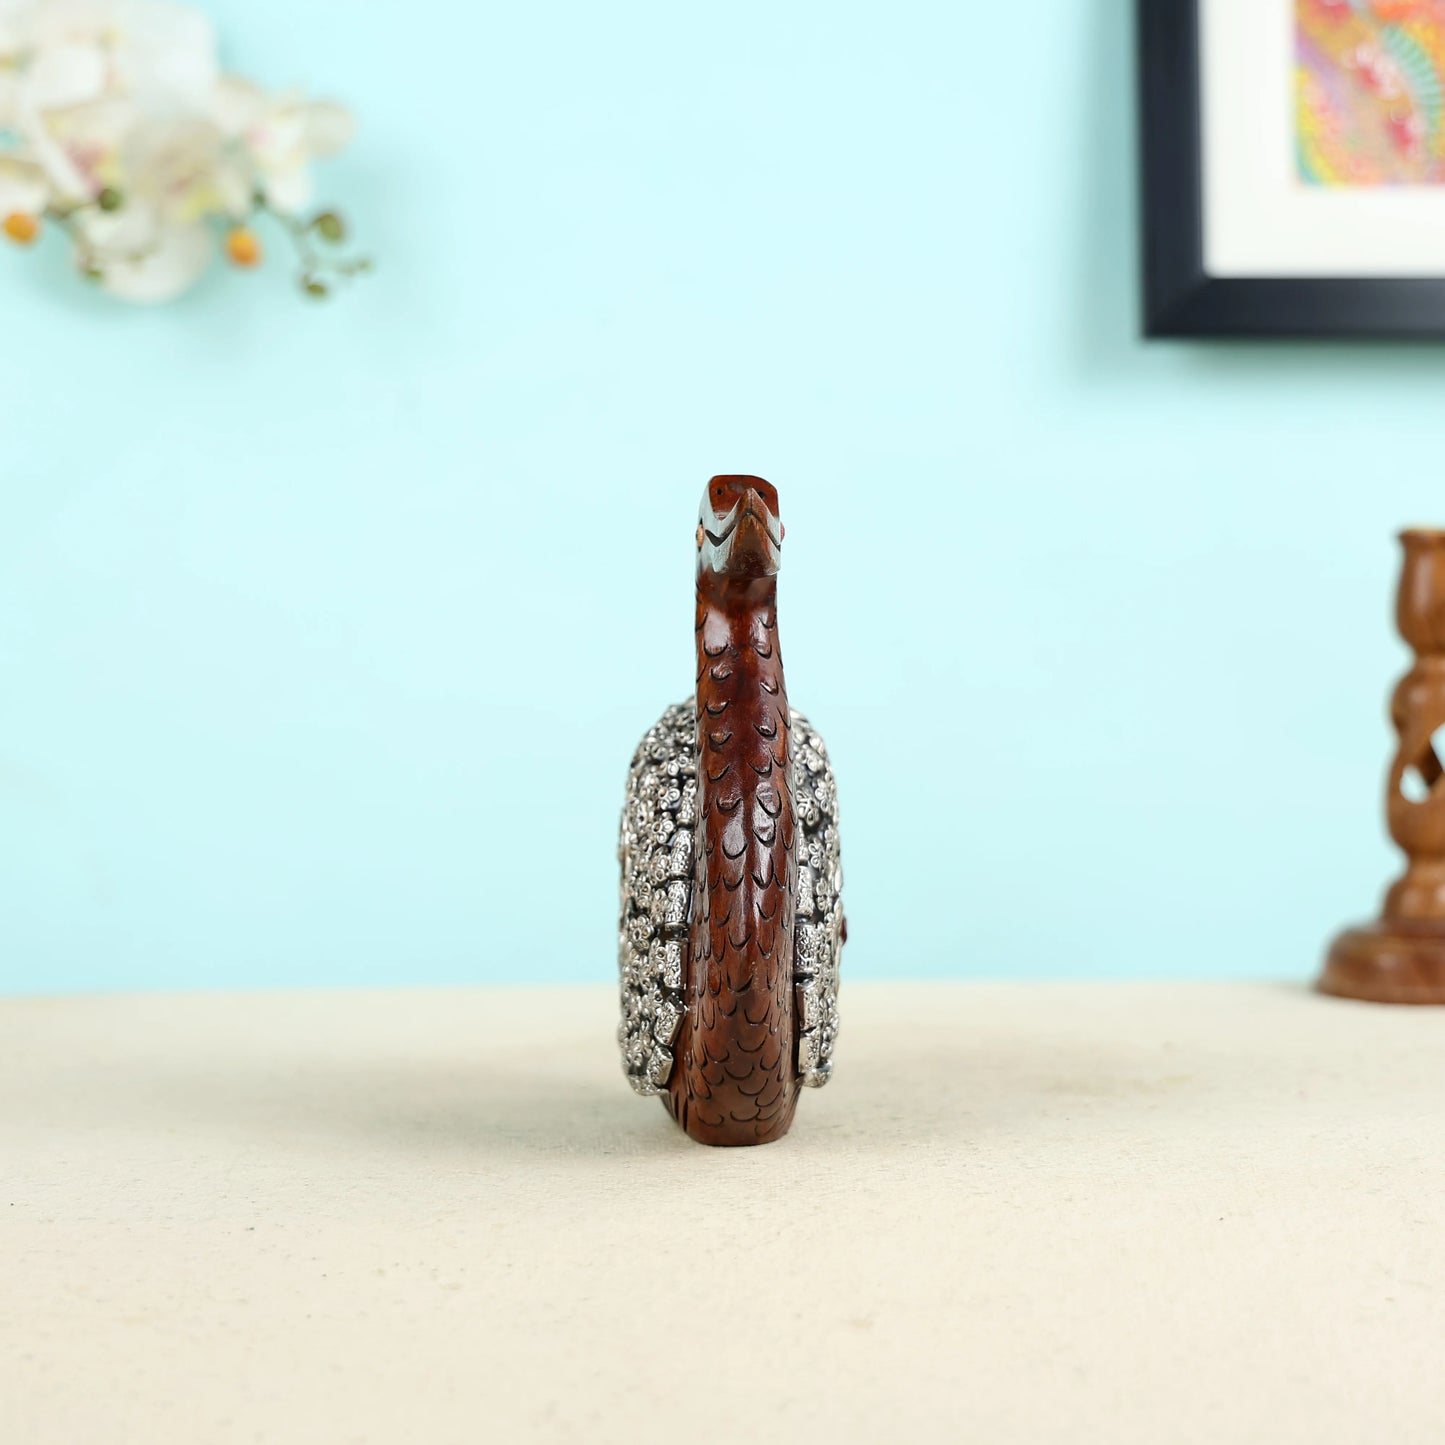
(126,133)
(136,253)
(278,136)
(24,189)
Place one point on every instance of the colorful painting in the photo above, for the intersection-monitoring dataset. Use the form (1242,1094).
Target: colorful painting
(1370,92)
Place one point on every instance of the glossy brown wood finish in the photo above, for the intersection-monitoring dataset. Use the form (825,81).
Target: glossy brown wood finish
(1401,959)
(736,1078)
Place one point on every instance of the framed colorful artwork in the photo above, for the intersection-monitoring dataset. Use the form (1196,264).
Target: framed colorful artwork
(1293,159)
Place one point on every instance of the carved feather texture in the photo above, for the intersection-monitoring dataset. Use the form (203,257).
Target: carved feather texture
(736,1078)
(659,886)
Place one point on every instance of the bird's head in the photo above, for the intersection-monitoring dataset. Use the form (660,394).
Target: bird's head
(739,536)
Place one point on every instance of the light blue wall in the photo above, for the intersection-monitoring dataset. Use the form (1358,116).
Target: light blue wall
(326,632)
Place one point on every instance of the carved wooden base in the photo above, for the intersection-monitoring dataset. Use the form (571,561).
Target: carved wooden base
(1388,962)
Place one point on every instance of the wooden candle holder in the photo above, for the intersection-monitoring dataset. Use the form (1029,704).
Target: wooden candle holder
(1401,959)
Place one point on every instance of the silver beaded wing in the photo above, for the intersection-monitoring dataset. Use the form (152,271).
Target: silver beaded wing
(659,822)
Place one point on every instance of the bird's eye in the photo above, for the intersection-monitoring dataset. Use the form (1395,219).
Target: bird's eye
(699,534)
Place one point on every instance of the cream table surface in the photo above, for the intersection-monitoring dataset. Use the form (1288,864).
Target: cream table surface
(1160,1213)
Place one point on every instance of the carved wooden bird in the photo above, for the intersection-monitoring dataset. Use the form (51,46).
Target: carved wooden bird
(732,916)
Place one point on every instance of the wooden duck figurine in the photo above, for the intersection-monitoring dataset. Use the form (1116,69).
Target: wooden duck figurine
(732,917)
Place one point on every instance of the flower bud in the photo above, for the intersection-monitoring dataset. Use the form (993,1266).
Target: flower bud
(21,227)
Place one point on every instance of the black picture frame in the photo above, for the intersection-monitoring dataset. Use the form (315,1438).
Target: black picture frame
(1181,298)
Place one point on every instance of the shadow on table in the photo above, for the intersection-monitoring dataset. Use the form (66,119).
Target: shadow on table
(933,1097)
(941,1099)
(935,1094)
(440,1107)
(935,1085)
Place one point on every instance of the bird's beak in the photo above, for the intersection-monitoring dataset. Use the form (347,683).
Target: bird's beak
(750,543)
